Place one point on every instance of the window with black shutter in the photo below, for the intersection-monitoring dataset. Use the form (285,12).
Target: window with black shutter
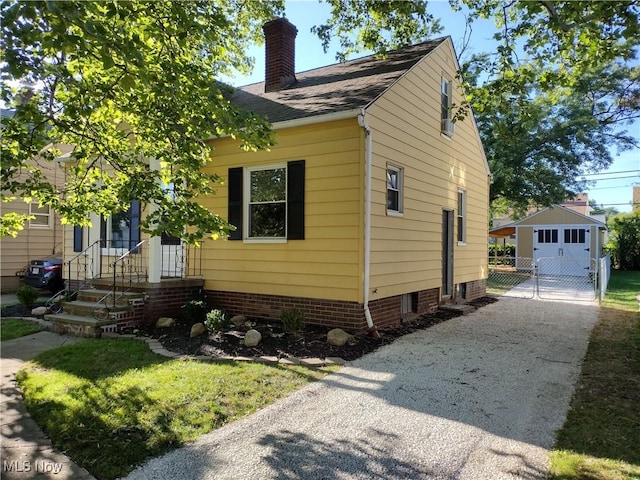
(267,202)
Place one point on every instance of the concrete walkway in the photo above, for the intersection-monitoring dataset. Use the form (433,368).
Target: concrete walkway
(26,452)
(477,397)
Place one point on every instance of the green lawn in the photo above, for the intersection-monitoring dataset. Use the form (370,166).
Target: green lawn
(11,328)
(111,404)
(601,437)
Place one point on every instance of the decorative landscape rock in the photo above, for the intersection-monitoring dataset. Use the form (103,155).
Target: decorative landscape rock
(197,329)
(40,311)
(338,337)
(238,320)
(252,338)
(165,322)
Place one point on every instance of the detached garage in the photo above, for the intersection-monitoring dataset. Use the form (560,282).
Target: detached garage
(574,241)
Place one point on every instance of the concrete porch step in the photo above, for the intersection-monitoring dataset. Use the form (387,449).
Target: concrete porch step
(83,308)
(81,326)
(95,295)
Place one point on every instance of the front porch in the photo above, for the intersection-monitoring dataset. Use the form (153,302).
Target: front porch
(111,288)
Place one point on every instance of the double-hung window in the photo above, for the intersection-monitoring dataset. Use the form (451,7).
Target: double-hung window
(266,203)
(394,190)
(446,103)
(42,216)
(462,216)
(266,206)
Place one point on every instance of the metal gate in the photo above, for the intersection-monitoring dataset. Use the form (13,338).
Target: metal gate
(558,278)
(549,278)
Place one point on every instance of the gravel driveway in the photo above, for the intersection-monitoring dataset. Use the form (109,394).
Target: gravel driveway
(477,397)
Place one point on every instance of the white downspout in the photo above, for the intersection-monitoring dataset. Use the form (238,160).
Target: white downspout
(367,219)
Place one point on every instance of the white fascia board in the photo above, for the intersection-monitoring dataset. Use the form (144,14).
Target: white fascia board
(300,122)
(327,117)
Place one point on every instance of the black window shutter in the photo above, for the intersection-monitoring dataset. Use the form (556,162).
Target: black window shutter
(295,200)
(103,232)
(235,202)
(134,212)
(77,238)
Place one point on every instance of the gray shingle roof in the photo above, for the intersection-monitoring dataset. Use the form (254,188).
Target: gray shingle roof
(334,88)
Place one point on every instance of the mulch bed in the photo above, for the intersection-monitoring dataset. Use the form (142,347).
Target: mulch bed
(277,343)
(310,343)
(19,310)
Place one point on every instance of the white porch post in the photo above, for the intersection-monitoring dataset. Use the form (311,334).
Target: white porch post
(95,254)
(155,247)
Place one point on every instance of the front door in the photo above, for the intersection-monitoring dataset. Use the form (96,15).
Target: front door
(447,252)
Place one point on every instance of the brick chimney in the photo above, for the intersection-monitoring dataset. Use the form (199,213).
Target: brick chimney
(636,199)
(280,54)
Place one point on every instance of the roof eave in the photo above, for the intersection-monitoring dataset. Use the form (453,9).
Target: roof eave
(312,120)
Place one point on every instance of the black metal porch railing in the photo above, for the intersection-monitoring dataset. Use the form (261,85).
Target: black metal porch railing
(181,260)
(129,269)
(80,270)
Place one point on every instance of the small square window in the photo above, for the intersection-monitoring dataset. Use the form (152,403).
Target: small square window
(394,189)
(42,214)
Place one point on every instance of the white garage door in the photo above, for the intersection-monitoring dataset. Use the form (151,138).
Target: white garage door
(569,245)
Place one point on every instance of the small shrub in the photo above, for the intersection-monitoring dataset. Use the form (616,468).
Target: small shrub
(217,321)
(194,311)
(27,295)
(292,320)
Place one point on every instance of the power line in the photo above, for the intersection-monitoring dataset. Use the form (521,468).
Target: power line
(615,204)
(610,178)
(609,188)
(611,173)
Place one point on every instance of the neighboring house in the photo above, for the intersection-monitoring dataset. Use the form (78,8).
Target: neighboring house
(370,208)
(557,232)
(41,236)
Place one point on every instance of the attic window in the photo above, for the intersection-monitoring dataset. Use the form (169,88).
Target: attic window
(446,103)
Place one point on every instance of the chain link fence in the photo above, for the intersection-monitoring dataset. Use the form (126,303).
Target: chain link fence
(552,278)
(562,278)
(511,275)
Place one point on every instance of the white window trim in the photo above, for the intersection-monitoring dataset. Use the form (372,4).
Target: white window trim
(462,242)
(247,197)
(400,172)
(37,226)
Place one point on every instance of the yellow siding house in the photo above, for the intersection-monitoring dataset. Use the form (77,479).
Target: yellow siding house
(373,205)
(371,208)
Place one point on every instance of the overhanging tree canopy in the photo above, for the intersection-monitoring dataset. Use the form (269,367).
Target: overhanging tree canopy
(557,94)
(125,82)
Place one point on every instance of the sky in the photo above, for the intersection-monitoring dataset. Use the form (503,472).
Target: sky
(609,188)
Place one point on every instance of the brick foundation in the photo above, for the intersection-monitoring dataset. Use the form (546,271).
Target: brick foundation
(475,289)
(330,313)
(165,299)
